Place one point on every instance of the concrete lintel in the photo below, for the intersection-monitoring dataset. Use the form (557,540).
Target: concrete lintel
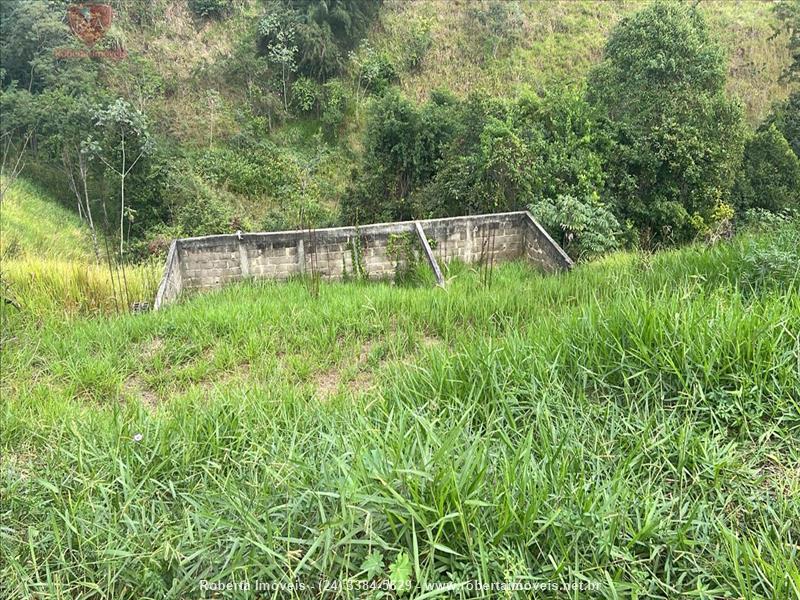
(426,247)
(329,233)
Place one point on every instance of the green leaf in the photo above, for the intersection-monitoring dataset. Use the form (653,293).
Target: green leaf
(373,564)
(400,571)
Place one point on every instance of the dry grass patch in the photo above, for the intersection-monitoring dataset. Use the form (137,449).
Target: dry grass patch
(135,387)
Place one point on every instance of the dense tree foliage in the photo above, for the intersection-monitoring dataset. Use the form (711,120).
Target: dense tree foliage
(770,174)
(786,118)
(481,154)
(678,138)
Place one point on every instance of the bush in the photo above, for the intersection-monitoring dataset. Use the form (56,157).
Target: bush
(584,228)
(195,207)
(496,22)
(210,8)
(376,70)
(306,95)
(759,219)
(418,42)
(254,172)
(334,107)
(770,173)
(786,118)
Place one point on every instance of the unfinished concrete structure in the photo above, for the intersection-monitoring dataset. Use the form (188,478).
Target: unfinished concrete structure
(376,251)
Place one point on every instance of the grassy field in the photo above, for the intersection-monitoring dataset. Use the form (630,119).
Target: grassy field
(48,265)
(632,427)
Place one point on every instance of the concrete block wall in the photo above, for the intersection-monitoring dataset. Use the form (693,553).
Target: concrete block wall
(541,249)
(479,238)
(211,262)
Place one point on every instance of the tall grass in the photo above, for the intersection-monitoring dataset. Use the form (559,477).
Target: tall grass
(33,224)
(41,286)
(632,427)
(47,265)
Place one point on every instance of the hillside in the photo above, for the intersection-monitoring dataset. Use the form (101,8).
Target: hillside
(34,225)
(549,43)
(555,42)
(48,267)
(630,428)
(235,139)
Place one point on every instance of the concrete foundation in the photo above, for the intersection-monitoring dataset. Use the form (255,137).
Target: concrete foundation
(376,251)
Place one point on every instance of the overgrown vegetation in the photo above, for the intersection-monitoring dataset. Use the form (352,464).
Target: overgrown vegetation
(273,108)
(650,153)
(628,429)
(632,425)
(49,270)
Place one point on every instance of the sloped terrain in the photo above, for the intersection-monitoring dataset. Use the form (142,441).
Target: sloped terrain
(631,427)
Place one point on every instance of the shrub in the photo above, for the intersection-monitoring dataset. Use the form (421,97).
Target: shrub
(195,207)
(716,226)
(770,173)
(495,22)
(786,118)
(584,228)
(253,172)
(759,219)
(376,70)
(334,107)
(210,8)
(306,95)
(417,43)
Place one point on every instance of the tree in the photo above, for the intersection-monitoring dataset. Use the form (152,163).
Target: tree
(16,129)
(676,137)
(770,174)
(506,169)
(123,140)
(65,119)
(278,30)
(29,31)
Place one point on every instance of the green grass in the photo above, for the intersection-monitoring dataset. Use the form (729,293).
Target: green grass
(48,266)
(32,224)
(633,426)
